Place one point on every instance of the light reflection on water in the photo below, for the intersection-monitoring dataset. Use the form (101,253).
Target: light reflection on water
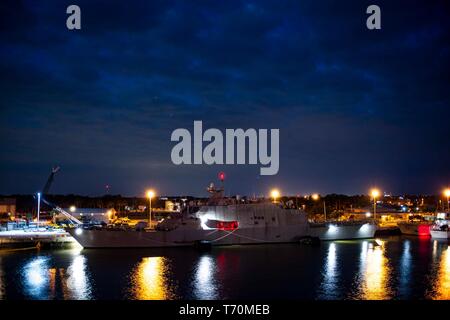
(405,269)
(399,268)
(205,287)
(42,281)
(329,287)
(150,280)
(2,281)
(36,275)
(76,283)
(373,278)
(441,280)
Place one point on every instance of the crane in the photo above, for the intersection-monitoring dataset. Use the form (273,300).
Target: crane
(45,190)
(49,182)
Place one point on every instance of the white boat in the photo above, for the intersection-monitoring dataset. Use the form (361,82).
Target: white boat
(343,230)
(441,228)
(440,234)
(34,236)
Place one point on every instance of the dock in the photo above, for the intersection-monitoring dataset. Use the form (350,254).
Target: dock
(35,237)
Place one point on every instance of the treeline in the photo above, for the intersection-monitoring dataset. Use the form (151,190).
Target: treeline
(28,203)
(333,202)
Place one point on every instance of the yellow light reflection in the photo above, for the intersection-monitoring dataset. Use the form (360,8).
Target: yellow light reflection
(150,280)
(375,273)
(442,283)
(2,281)
(52,282)
(435,247)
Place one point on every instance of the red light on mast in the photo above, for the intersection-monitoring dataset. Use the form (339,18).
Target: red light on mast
(222,176)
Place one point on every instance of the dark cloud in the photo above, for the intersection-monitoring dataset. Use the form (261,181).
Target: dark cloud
(354,107)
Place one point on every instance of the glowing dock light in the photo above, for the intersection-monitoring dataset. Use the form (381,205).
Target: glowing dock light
(150,195)
(315,197)
(368,214)
(38,208)
(365,228)
(332,228)
(203,221)
(72,208)
(375,194)
(275,193)
(447,194)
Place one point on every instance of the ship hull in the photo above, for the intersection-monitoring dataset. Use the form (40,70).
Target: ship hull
(438,234)
(415,229)
(329,232)
(31,238)
(179,238)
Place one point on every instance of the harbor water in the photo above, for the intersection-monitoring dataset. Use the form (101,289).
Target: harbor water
(386,268)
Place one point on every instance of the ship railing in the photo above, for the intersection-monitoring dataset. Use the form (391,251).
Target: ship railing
(60,210)
(346,223)
(68,215)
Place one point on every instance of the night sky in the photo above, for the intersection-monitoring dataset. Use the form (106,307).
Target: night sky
(355,108)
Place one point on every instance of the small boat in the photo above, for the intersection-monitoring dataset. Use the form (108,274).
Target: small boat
(415,228)
(32,237)
(440,229)
(343,230)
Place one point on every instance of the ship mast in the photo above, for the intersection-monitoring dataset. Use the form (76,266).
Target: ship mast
(216,194)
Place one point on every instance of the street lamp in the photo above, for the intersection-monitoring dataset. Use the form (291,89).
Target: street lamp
(275,194)
(316,197)
(447,194)
(38,208)
(375,194)
(150,195)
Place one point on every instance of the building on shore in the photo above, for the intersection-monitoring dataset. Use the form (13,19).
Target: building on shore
(89,214)
(8,206)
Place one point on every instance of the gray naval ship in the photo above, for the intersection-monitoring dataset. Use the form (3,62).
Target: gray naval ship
(223,221)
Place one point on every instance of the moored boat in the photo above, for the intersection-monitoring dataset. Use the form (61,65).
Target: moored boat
(221,222)
(343,230)
(440,229)
(218,225)
(32,237)
(415,228)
